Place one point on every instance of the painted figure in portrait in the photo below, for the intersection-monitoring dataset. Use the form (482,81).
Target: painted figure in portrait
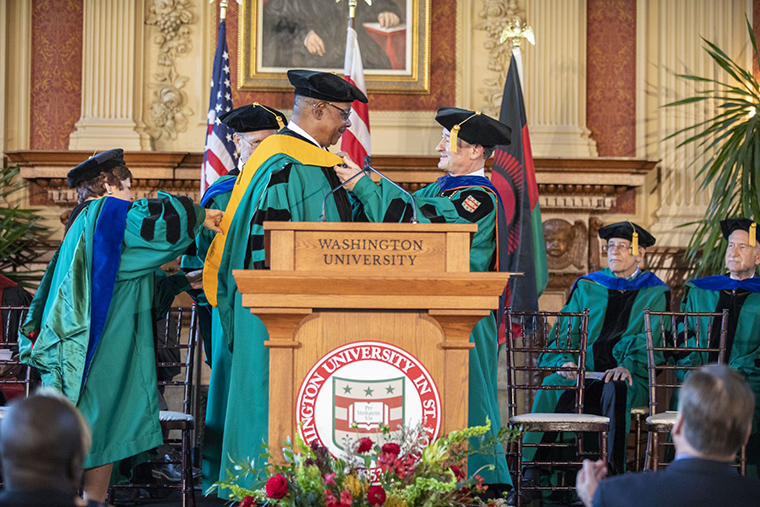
(311,33)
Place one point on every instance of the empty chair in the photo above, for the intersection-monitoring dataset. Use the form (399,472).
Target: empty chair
(529,336)
(15,377)
(676,344)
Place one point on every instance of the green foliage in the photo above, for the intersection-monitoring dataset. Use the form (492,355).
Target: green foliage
(21,233)
(732,173)
(414,473)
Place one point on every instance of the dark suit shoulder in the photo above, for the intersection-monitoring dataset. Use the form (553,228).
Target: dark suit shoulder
(692,483)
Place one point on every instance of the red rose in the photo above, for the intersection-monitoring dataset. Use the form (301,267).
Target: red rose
(457,472)
(376,495)
(248,502)
(392,448)
(330,500)
(277,487)
(365,444)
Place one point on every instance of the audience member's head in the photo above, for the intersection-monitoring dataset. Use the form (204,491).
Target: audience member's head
(714,413)
(43,442)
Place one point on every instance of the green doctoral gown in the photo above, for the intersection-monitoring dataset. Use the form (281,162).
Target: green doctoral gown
(466,204)
(742,299)
(218,353)
(111,376)
(616,325)
(284,188)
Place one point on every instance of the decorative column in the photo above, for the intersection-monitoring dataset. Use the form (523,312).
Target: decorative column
(555,79)
(111,78)
(669,35)
(15,72)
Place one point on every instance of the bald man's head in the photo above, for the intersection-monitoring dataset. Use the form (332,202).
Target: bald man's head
(43,441)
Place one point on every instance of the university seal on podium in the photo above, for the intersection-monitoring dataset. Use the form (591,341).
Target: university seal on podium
(356,389)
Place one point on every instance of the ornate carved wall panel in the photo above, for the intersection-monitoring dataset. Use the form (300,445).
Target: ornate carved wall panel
(170,22)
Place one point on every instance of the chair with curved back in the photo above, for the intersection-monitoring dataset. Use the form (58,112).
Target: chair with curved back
(530,334)
(678,342)
(16,378)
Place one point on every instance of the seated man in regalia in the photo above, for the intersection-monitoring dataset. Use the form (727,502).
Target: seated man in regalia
(616,298)
(739,292)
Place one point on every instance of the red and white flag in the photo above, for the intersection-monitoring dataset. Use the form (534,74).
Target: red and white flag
(219,153)
(356,140)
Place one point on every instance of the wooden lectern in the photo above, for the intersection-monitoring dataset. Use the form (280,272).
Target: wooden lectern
(330,284)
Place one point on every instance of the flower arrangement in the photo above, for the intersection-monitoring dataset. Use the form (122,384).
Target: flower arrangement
(408,471)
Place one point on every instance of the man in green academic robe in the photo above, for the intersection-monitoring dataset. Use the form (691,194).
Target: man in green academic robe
(739,293)
(464,195)
(287,178)
(89,330)
(616,298)
(251,124)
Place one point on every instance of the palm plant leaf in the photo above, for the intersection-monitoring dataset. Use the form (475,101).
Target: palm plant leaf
(22,236)
(731,140)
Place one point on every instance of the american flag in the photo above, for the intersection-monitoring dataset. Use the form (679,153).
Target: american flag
(219,154)
(356,140)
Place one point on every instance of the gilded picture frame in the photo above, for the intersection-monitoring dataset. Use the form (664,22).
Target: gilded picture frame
(273,37)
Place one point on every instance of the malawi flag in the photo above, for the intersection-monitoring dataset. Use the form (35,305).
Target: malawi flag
(514,177)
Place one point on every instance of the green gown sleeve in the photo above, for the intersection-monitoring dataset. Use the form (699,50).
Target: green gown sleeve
(158,231)
(472,205)
(166,289)
(195,256)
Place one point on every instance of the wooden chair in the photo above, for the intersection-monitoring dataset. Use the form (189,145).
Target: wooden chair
(638,419)
(677,342)
(179,330)
(15,377)
(528,336)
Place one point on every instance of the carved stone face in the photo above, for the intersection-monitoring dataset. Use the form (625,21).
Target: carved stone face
(558,236)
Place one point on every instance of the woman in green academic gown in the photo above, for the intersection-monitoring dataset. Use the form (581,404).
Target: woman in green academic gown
(89,330)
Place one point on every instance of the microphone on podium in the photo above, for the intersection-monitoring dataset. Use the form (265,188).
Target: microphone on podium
(368,167)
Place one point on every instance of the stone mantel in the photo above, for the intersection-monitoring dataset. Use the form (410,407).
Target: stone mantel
(590,184)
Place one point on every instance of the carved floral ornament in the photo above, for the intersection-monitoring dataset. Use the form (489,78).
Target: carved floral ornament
(169,111)
(496,15)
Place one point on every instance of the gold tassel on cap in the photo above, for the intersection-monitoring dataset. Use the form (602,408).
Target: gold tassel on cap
(454,133)
(453,138)
(277,117)
(753,234)
(634,241)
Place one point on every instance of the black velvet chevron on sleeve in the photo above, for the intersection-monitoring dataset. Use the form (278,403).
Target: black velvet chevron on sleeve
(171,217)
(256,241)
(187,203)
(342,202)
(473,205)
(398,211)
(148,228)
(281,176)
(431,213)
(192,250)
